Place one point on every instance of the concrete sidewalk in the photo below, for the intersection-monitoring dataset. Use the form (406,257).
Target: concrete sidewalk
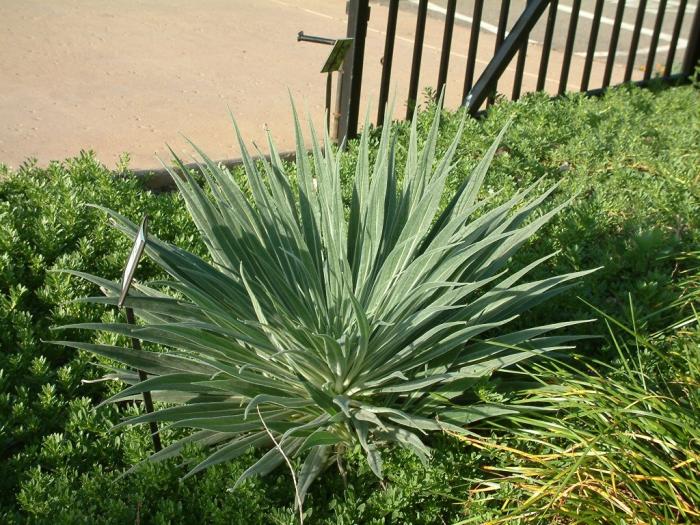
(132,76)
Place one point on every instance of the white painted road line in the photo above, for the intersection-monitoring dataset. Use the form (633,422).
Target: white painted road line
(624,25)
(490,28)
(653,7)
(485,26)
(640,52)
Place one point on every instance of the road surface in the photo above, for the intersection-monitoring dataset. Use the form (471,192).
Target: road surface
(134,76)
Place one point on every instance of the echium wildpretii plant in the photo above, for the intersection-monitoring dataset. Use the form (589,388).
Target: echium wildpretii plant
(332,329)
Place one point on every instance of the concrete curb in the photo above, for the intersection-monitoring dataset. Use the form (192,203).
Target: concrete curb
(159,180)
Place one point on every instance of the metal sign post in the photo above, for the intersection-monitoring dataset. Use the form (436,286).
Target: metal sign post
(334,62)
(132,262)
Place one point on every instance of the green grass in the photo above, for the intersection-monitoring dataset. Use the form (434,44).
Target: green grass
(633,158)
(622,446)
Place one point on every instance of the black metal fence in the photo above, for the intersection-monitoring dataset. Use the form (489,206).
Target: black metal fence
(479,91)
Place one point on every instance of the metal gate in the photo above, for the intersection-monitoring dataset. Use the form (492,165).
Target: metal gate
(478,94)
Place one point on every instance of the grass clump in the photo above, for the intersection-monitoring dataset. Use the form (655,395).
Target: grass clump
(623,447)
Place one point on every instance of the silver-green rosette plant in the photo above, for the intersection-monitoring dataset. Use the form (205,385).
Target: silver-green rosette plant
(325,326)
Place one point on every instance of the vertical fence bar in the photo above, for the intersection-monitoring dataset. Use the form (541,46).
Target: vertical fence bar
(520,68)
(569,47)
(674,38)
(499,62)
(547,45)
(654,40)
(137,250)
(500,34)
(592,40)
(446,45)
(329,88)
(351,85)
(147,398)
(638,22)
(692,53)
(614,37)
(417,55)
(388,59)
(473,44)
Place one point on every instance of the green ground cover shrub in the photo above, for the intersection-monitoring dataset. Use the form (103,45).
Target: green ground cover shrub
(633,155)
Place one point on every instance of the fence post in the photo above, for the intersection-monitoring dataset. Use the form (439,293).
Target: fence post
(692,53)
(351,84)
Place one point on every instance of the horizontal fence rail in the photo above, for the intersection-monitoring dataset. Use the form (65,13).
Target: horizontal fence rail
(561,26)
